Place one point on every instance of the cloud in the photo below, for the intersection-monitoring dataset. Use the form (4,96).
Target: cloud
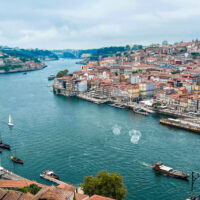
(63,24)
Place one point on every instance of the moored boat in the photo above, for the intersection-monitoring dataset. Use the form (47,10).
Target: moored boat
(116,105)
(141,111)
(16,160)
(160,167)
(5,146)
(181,123)
(49,173)
(51,77)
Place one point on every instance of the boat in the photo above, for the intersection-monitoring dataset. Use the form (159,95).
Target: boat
(25,73)
(141,111)
(116,106)
(183,124)
(160,167)
(16,160)
(10,123)
(5,146)
(49,173)
(51,77)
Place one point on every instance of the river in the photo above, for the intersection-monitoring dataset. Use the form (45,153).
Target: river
(76,138)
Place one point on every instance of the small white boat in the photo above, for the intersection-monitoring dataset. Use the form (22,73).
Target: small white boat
(49,173)
(10,123)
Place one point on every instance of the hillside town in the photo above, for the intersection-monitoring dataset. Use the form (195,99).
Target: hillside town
(10,63)
(161,76)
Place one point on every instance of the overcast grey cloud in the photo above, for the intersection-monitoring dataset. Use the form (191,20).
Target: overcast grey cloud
(61,24)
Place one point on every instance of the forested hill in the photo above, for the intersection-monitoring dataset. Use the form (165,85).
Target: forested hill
(94,54)
(29,53)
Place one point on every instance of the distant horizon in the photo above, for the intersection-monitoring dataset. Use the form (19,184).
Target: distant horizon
(160,43)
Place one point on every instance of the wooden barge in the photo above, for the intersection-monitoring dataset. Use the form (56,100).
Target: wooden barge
(179,123)
(161,168)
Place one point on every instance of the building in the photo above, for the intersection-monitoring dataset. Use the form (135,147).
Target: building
(82,86)
(165,43)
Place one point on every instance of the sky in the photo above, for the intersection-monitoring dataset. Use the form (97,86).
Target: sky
(83,24)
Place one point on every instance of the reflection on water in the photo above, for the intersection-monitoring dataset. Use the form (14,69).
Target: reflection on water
(116,129)
(135,136)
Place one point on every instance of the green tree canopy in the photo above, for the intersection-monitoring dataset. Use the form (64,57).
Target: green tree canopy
(105,184)
(33,189)
(62,73)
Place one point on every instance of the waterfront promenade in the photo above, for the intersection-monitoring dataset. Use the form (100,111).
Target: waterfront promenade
(133,106)
(8,175)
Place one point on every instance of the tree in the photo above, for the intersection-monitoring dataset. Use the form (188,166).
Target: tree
(62,73)
(33,189)
(105,184)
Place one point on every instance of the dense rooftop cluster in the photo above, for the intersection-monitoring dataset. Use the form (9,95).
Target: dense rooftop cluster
(168,74)
(13,63)
(9,191)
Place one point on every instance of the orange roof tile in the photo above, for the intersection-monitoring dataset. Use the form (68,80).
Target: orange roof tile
(81,196)
(17,183)
(53,193)
(97,197)
(11,195)
(2,193)
(26,196)
(67,187)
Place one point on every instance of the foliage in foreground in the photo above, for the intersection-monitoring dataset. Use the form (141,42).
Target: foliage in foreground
(33,189)
(62,73)
(105,184)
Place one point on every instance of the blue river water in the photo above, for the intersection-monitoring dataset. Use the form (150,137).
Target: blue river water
(76,138)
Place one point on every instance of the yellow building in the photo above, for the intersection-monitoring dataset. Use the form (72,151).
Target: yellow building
(133,92)
(142,87)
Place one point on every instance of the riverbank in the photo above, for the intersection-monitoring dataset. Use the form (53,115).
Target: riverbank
(97,99)
(185,124)
(22,70)
(142,109)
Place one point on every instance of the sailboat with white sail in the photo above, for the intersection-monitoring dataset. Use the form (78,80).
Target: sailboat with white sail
(10,123)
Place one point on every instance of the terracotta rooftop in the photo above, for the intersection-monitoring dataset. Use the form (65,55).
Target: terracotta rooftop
(97,197)
(81,196)
(2,193)
(11,195)
(71,188)
(53,193)
(26,196)
(17,183)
